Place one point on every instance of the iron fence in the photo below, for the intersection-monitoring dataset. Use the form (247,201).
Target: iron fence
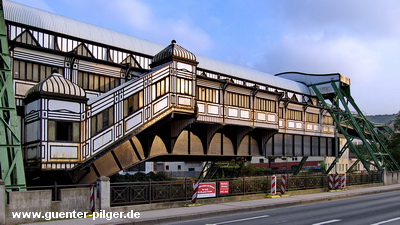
(162,191)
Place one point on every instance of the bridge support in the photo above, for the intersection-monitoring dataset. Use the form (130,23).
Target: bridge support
(301,164)
(11,162)
(353,124)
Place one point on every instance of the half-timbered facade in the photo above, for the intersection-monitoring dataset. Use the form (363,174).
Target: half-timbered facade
(93,101)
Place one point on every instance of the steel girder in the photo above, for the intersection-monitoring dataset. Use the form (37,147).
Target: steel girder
(11,162)
(353,124)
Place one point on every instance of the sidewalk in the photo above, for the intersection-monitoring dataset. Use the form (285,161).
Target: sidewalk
(183,213)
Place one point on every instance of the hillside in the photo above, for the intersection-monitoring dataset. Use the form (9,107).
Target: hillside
(382,119)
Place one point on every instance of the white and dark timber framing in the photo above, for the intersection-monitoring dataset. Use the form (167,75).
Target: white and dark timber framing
(93,102)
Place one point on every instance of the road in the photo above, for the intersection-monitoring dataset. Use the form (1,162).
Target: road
(376,209)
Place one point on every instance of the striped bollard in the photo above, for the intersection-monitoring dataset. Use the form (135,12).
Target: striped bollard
(331,181)
(337,181)
(273,185)
(92,198)
(195,190)
(343,181)
(283,184)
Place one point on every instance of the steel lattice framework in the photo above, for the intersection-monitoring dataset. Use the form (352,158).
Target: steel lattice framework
(11,162)
(354,125)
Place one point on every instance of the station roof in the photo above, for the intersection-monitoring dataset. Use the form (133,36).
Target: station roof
(49,21)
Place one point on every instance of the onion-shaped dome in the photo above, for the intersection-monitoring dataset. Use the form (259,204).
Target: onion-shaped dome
(56,86)
(173,52)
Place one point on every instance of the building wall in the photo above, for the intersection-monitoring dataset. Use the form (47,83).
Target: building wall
(77,199)
(180,169)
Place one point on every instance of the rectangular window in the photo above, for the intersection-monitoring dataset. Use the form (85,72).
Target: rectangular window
(95,82)
(160,88)
(294,115)
(207,94)
(102,120)
(32,71)
(133,103)
(63,131)
(280,112)
(239,100)
(265,105)
(328,120)
(184,86)
(312,117)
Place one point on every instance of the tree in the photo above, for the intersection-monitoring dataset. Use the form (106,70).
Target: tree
(394,144)
(396,122)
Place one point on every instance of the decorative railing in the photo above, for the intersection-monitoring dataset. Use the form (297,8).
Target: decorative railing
(163,191)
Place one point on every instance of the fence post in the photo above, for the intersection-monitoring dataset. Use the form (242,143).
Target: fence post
(105,194)
(150,192)
(384,177)
(244,187)
(2,203)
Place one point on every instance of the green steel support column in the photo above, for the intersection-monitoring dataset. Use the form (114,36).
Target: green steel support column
(374,152)
(375,145)
(345,146)
(301,164)
(11,162)
(337,115)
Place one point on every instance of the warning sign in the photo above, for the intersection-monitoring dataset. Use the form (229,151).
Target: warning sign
(207,190)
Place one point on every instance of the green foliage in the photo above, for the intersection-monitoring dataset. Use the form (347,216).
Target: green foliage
(394,144)
(396,122)
(140,177)
(242,171)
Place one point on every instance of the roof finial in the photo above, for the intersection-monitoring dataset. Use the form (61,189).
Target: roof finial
(173,42)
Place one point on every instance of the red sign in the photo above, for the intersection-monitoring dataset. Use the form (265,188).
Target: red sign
(207,190)
(224,187)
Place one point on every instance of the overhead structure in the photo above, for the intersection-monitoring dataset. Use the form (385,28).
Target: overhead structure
(333,91)
(11,162)
(92,102)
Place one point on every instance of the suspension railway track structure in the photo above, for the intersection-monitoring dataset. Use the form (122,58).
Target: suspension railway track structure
(92,102)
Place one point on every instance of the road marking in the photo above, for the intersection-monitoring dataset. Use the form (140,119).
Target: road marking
(240,220)
(327,222)
(386,221)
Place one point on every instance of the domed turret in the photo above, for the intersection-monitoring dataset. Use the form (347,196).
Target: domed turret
(56,86)
(173,52)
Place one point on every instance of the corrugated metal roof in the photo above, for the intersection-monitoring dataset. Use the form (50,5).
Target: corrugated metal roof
(56,85)
(49,21)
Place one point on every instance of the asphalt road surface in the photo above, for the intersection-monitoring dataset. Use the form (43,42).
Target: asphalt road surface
(376,209)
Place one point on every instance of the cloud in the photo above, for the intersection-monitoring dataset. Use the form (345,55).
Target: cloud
(140,17)
(346,55)
(358,39)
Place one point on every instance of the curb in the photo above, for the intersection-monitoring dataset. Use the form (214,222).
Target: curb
(289,201)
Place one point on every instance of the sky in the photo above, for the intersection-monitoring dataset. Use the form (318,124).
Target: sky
(358,38)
